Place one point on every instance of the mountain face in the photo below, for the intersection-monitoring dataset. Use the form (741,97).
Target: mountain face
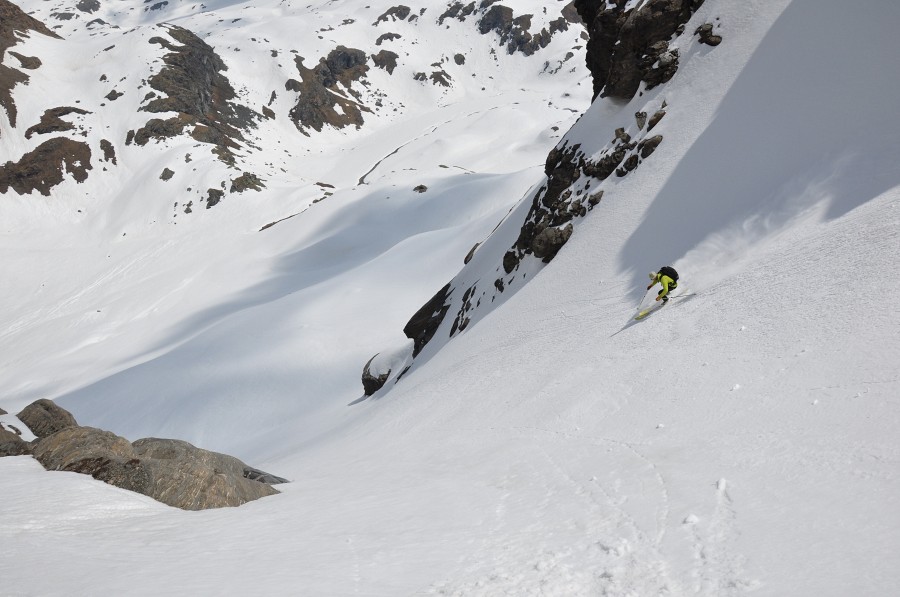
(632,49)
(173,75)
(223,282)
(184,150)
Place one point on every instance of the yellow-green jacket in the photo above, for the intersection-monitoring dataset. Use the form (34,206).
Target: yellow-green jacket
(666,282)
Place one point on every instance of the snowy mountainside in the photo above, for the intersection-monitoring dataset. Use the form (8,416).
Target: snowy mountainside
(189,217)
(740,441)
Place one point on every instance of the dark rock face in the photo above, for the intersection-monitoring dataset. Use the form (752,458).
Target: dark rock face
(14,21)
(109,152)
(88,6)
(565,197)
(385,59)
(171,471)
(705,32)
(373,381)
(192,84)
(52,121)
(213,196)
(396,13)
(423,325)
(630,46)
(458,11)
(549,241)
(27,62)
(45,166)
(246,181)
(45,417)
(316,105)
(166,174)
(514,31)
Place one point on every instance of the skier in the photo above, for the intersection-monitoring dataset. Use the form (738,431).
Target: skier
(668,278)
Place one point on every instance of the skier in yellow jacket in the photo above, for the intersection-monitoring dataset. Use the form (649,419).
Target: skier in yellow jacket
(668,278)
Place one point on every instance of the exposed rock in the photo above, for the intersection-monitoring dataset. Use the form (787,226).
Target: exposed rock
(11,444)
(317,105)
(45,166)
(654,120)
(459,59)
(514,31)
(171,471)
(45,417)
(52,122)
(113,95)
(707,36)
(471,253)
(440,77)
(213,196)
(385,59)
(246,181)
(648,146)
(373,381)
(420,188)
(641,119)
(88,6)
(458,11)
(630,46)
(27,62)
(396,13)
(387,37)
(254,474)
(3,412)
(159,129)
(166,174)
(549,241)
(423,325)
(14,24)
(109,152)
(192,84)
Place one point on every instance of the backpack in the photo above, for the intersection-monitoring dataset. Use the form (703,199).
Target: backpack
(669,271)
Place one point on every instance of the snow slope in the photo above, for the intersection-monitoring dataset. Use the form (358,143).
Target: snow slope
(741,440)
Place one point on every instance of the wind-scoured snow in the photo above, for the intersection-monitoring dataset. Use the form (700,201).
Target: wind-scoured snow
(741,440)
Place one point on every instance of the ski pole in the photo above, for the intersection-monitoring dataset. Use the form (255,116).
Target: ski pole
(642,298)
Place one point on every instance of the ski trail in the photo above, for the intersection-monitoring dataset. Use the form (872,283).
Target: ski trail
(717,570)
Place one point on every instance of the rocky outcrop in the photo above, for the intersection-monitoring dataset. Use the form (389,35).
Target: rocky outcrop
(171,471)
(12,444)
(387,60)
(373,381)
(570,192)
(396,13)
(45,417)
(706,35)
(424,323)
(193,85)
(514,31)
(46,166)
(321,101)
(13,22)
(52,121)
(245,182)
(631,45)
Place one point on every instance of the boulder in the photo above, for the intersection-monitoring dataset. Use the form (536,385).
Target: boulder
(45,417)
(11,444)
(173,472)
(373,381)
